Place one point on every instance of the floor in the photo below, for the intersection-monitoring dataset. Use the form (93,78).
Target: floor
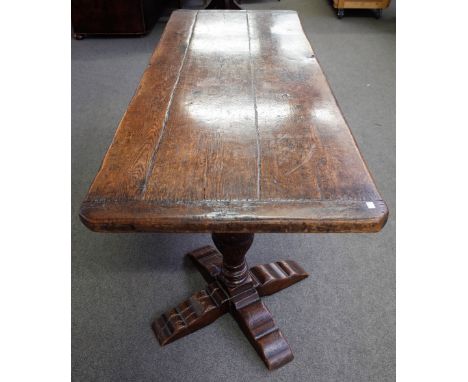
(340,322)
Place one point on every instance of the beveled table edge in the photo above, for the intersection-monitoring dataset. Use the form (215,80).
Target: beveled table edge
(307,216)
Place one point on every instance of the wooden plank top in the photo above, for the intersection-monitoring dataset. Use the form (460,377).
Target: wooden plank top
(233,128)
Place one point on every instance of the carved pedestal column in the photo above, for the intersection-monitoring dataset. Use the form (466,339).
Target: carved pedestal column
(233,247)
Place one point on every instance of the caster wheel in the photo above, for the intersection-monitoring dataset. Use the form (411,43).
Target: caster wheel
(78,36)
(340,13)
(378,13)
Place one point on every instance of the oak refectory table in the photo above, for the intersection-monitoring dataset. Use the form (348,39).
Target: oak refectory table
(233,130)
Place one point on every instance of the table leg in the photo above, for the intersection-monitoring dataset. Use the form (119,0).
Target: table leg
(235,287)
(273,277)
(258,325)
(208,262)
(201,309)
(268,278)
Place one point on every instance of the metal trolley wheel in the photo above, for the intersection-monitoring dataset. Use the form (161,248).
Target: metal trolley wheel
(340,13)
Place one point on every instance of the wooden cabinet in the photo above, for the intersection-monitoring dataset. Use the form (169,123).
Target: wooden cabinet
(378,5)
(113,17)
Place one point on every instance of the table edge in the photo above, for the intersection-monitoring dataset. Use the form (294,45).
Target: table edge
(235,216)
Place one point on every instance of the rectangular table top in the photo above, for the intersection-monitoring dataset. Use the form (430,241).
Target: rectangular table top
(233,128)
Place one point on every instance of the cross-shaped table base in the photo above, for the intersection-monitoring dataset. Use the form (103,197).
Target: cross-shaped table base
(236,288)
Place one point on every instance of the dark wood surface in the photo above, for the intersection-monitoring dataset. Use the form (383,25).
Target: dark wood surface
(223,4)
(114,17)
(233,128)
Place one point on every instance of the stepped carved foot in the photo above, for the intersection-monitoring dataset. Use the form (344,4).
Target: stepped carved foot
(267,278)
(208,262)
(199,310)
(259,327)
(233,287)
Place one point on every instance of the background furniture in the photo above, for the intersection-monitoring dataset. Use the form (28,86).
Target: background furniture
(114,17)
(378,5)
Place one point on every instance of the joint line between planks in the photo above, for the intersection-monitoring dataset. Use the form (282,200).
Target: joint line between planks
(169,104)
(254,96)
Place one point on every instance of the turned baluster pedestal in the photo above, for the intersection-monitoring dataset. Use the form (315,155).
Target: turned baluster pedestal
(233,287)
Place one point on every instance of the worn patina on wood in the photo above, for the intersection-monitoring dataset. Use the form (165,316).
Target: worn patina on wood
(233,128)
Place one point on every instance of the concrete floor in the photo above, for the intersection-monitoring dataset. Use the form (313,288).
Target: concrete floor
(340,322)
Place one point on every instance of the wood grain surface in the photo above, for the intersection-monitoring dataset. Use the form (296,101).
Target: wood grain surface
(233,128)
